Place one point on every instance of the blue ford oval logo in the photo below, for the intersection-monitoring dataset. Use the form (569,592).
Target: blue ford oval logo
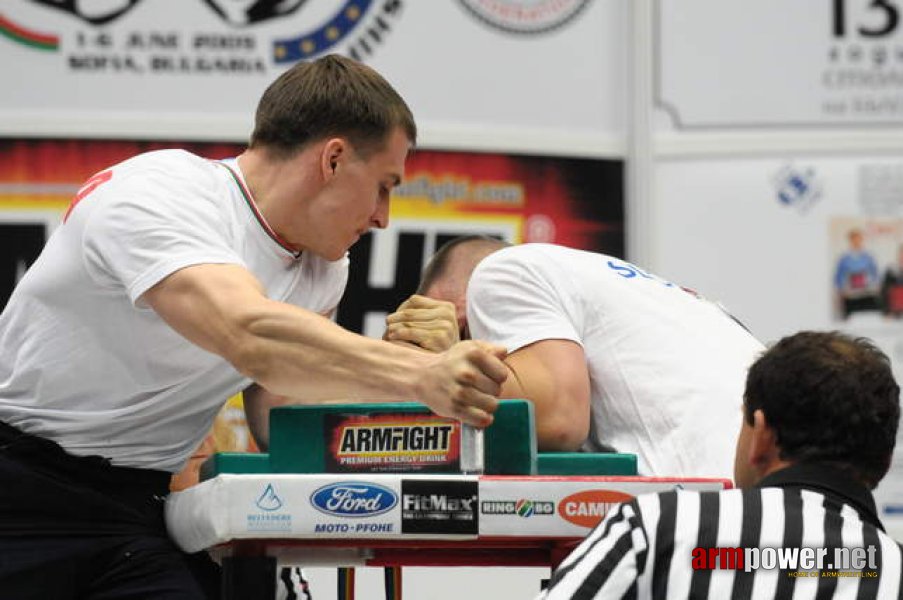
(353,499)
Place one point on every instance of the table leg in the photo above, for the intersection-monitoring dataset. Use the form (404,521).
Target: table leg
(393,582)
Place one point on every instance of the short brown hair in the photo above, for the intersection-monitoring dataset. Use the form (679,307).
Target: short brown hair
(330,96)
(438,265)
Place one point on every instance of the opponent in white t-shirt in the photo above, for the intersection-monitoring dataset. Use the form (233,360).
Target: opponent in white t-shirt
(613,357)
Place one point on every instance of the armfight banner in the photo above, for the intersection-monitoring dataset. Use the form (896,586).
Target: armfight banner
(574,202)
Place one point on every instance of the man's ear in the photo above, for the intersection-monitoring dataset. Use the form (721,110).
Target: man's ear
(333,152)
(764,452)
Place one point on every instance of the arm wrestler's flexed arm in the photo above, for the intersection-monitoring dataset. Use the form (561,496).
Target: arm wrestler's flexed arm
(294,352)
(550,373)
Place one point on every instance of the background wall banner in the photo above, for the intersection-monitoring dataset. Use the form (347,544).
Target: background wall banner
(771,238)
(825,63)
(498,73)
(445,194)
(515,198)
(38,180)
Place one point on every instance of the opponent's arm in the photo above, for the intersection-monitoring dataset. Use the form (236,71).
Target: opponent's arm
(257,403)
(553,375)
(296,353)
(550,373)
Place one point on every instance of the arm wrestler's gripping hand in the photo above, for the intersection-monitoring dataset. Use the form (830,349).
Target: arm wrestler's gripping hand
(424,322)
(464,382)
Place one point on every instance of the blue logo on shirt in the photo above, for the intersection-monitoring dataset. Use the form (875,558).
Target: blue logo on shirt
(629,271)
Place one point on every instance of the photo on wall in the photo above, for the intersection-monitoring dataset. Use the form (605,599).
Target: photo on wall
(867,267)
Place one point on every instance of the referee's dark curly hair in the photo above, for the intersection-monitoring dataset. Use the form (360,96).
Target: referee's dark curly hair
(831,399)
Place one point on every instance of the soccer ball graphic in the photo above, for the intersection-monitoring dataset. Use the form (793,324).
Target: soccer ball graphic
(248,12)
(235,12)
(96,12)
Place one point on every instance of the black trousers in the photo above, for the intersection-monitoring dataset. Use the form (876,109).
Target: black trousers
(78,528)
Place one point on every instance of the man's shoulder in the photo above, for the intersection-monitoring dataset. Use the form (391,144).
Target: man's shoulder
(170,165)
(679,499)
(536,250)
(172,157)
(534,256)
(170,170)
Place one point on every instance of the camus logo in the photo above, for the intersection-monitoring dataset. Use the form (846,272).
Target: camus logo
(587,508)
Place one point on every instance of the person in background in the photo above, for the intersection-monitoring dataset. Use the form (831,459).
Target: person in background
(856,277)
(175,282)
(892,287)
(612,357)
(820,422)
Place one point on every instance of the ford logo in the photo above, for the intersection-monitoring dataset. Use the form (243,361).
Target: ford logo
(353,499)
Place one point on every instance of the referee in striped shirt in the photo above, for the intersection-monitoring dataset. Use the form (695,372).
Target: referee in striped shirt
(820,422)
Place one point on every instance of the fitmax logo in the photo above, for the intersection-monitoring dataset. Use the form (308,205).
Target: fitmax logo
(435,502)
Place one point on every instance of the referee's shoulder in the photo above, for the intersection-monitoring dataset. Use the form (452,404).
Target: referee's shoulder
(668,501)
(679,493)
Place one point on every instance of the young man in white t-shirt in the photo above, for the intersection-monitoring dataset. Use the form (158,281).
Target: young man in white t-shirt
(612,357)
(175,282)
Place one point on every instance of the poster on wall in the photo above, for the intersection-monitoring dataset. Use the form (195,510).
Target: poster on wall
(867,258)
(575,202)
(778,64)
(133,69)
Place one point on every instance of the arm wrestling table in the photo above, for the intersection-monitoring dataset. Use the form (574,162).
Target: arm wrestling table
(257,511)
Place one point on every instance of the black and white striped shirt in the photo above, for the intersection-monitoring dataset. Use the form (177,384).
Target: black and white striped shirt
(646,548)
